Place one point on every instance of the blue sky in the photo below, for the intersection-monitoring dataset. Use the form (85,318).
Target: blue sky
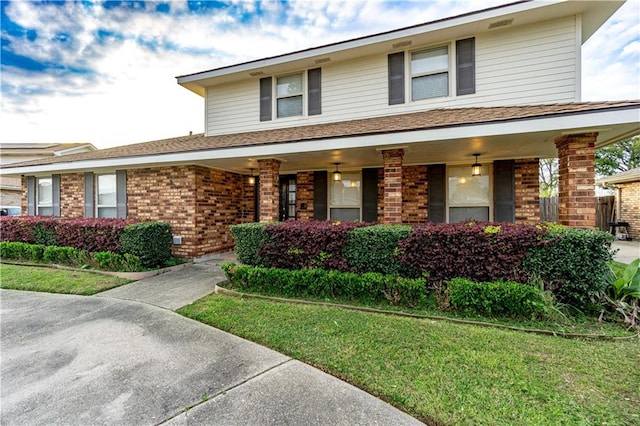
(103,72)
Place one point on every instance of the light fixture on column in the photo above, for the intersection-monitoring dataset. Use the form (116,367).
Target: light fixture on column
(252,178)
(476,168)
(337,175)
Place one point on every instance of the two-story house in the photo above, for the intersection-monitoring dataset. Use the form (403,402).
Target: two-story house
(441,122)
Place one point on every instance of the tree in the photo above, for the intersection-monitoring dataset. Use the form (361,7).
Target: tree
(548,177)
(618,157)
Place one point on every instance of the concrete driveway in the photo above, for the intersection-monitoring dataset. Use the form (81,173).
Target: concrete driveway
(71,360)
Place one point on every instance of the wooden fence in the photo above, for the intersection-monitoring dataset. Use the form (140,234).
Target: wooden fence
(604,207)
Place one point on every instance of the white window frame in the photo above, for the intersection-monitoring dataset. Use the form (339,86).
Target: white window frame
(302,95)
(40,204)
(487,171)
(330,204)
(99,206)
(450,70)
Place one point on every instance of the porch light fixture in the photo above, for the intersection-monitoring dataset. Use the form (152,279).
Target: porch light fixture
(337,175)
(476,168)
(252,178)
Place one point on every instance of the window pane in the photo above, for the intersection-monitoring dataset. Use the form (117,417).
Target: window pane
(289,107)
(459,214)
(45,211)
(289,85)
(45,192)
(107,212)
(429,61)
(345,215)
(347,191)
(465,189)
(430,86)
(107,190)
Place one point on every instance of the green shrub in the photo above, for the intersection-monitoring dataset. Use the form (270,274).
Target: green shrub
(508,299)
(66,256)
(322,283)
(149,241)
(248,238)
(21,251)
(375,249)
(111,261)
(44,233)
(573,263)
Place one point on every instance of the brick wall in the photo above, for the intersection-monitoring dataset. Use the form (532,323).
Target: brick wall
(576,180)
(630,207)
(414,194)
(269,189)
(304,195)
(392,185)
(527,190)
(72,195)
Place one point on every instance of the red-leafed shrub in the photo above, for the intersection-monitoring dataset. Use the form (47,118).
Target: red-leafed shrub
(479,251)
(307,244)
(85,234)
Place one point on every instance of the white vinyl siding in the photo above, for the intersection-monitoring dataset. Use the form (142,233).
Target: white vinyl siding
(531,64)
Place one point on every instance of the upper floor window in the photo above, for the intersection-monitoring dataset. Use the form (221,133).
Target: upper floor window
(106,205)
(430,73)
(289,95)
(45,197)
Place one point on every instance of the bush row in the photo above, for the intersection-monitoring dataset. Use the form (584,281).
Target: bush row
(70,256)
(149,241)
(327,283)
(571,262)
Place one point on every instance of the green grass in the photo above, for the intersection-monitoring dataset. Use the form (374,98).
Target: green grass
(444,373)
(56,280)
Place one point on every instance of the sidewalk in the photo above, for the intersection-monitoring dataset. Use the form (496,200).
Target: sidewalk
(627,251)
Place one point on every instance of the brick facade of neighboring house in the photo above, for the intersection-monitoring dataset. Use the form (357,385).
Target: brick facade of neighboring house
(627,193)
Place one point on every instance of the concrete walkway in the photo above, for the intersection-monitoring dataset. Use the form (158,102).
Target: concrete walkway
(627,251)
(125,358)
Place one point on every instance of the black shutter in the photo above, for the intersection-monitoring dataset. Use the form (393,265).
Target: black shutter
(314,78)
(436,175)
(504,191)
(396,78)
(89,210)
(31,196)
(320,195)
(465,66)
(265,99)
(121,194)
(55,191)
(370,195)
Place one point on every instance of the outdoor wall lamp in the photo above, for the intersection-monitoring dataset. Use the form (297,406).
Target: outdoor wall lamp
(476,168)
(252,178)
(337,175)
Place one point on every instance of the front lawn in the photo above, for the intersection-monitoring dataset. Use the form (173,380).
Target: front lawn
(56,280)
(445,373)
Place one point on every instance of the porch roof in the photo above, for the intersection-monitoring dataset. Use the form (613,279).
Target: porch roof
(613,120)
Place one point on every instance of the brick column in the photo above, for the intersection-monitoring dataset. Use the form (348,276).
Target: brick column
(392,185)
(576,180)
(269,192)
(527,189)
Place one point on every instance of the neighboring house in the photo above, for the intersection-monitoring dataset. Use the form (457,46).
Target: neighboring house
(10,187)
(380,128)
(627,192)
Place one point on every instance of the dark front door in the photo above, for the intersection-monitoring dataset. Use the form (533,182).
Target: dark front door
(287,197)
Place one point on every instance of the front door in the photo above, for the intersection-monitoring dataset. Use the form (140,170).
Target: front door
(287,197)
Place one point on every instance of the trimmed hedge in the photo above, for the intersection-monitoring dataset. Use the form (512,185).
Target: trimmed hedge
(509,299)
(573,264)
(323,283)
(149,241)
(21,251)
(307,244)
(84,234)
(248,238)
(375,249)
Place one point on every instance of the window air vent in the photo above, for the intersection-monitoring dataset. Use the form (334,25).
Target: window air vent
(322,61)
(402,44)
(256,73)
(502,23)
